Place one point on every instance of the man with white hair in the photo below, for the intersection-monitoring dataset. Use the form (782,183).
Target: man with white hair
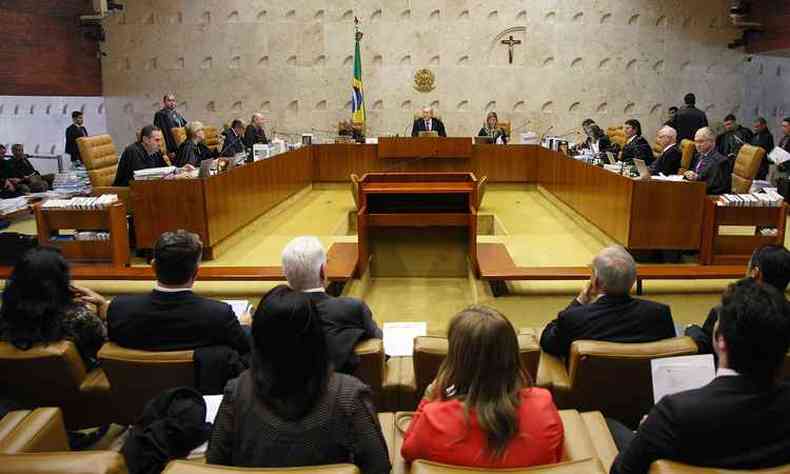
(254,134)
(428,123)
(605,311)
(346,321)
(709,165)
(669,161)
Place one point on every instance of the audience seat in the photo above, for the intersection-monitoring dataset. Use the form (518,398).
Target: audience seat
(371,366)
(36,431)
(670,467)
(687,150)
(593,367)
(430,352)
(586,466)
(212,137)
(747,163)
(101,161)
(138,376)
(191,467)
(399,385)
(179,135)
(54,375)
(84,462)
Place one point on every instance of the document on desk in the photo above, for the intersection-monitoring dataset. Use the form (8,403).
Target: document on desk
(399,337)
(672,177)
(779,155)
(677,374)
(240,307)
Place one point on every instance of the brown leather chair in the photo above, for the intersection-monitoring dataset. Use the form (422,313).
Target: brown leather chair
(33,431)
(53,375)
(84,462)
(586,466)
(191,467)
(179,135)
(671,467)
(505,126)
(101,161)
(138,376)
(593,366)
(687,150)
(399,385)
(371,366)
(481,190)
(355,189)
(747,163)
(212,138)
(430,352)
(616,135)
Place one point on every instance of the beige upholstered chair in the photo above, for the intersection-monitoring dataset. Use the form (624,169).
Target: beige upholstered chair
(371,366)
(746,166)
(84,462)
(33,431)
(586,466)
(190,467)
(179,135)
(212,138)
(101,161)
(687,150)
(616,135)
(671,467)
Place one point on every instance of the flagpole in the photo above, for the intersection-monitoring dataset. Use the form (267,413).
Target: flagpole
(358,113)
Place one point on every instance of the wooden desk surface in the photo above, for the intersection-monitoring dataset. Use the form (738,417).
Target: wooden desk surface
(425,147)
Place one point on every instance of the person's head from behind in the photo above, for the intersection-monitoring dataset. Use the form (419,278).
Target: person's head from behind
(672,111)
(666,136)
(760,125)
(492,120)
(36,296)
(169,101)
(177,258)
(752,333)
(614,271)
(237,126)
(483,368)
(77,117)
(632,128)
(151,138)
(690,100)
(704,140)
(18,150)
(771,265)
(195,132)
(427,112)
(304,263)
(730,123)
(291,365)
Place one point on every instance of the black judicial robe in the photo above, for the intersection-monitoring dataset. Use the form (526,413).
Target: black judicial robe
(167,120)
(494,135)
(420,126)
(668,163)
(193,153)
(72,134)
(729,143)
(638,148)
(135,158)
(715,171)
(687,121)
(253,136)
(764,140)
(233,144)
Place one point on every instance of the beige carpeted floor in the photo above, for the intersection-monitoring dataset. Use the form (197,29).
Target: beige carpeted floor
(536,231)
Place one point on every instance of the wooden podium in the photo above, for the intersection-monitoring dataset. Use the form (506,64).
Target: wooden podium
(415,210)
(425,147)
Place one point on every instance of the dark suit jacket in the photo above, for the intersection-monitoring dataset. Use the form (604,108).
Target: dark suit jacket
(611,319)
(703,336)
(135,158)
(436,125)
(715,171)
(639,149)
(233,144)
(604,144)
(175,321)
(168,120)
(72,134)
(668,163)
(764,140)
(253,136)
(687,121)
(730,423)
(193,153)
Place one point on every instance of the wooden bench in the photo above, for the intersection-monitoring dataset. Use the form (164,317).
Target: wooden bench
(497,267)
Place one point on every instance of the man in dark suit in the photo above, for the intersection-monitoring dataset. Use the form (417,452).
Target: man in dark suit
(254,134)
(740,420)
(636,147)
(734,137)
(143,154)
(172,317)
(234,140)
(764,139)
(428,124)
(669,161)
(167,119)
(709,165)
(347,321)
(604,310)
(76,130)
(688,119)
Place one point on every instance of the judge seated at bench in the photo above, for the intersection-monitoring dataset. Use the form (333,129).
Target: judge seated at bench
(492,130)
(142,154)
(254,134)
(597,141)
(636,147)
(234,139)
(194,150)
(19,176)
(668,163)
(428,123)
(709,165)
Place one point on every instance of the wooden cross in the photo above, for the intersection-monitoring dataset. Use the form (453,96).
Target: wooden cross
(510,42)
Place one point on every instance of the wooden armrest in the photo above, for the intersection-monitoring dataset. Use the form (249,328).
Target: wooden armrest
(553,375)
(601,438)
(577,443)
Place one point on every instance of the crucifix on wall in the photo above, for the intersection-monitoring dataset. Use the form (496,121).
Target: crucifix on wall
(510,42)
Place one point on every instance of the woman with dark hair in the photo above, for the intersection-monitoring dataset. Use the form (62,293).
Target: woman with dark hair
(290,408)
(40,305)
(492,130)
(481,410)
(597,141)
(636,147)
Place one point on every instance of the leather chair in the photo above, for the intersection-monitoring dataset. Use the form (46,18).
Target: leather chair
(84,462)
(33,431)
(481,190)
(371,366)
(399,391)
(616,135)
(671,467)
(190,467)
(179,135)
(101,161)
(506,126)
(138,376)
(430,352)
(687,150)
(212,138)
(54,375)
(594,365)
(355,189)
(747,163)
(586,466)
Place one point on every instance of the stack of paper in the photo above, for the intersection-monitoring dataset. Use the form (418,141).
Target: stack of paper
(154,173)
(399,338)
(769,198)
(778,156)
(99,202)
(672,177)
(8,206)
(240,307)
(677,374)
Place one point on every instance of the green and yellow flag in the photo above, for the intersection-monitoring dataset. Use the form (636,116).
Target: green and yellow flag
(357,96)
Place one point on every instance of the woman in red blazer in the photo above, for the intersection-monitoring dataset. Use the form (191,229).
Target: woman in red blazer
(481,410)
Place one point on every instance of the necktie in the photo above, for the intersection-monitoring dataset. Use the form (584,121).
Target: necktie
(699,165)
(428,125)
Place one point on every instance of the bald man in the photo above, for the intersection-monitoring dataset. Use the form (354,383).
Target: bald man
(254,133)
(709,165)
(428,123)
(669,161)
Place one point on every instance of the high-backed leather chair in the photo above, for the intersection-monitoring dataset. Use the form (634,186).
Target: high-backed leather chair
(430,352)
(190,467)
(687,150)
(616,135)
(33,431)
(355,189)
(84,462)
(481,190)
(212,138)
(53,375)
(179,135)
(614,378)
(400,387)
(371,366)
(100,157)
(138,376)
(671,467)
(586,466)
(747,163)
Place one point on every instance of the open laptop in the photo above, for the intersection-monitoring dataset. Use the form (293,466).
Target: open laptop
(425,133)
(641,166)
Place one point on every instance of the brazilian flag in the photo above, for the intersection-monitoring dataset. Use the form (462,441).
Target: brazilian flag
(357,97)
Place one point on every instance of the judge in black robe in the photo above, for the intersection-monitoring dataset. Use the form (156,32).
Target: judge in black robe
(765,140)
(167,119)
(428,123)
(22,174)
(734,137)
(709,165)
(254,134)
(194,149)
(688,119)
(140,155)
(636,147)
(234,141)
(669,161)
(597,141)
(76,130)
(492,130)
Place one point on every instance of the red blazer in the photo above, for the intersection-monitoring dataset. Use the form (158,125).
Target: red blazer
(438,432)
